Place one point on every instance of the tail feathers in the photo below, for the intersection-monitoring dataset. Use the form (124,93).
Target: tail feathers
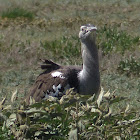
(49,65)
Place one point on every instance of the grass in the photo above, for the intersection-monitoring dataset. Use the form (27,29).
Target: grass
(17,12)
(69,45)
(116,41)
(53,34)
(130,66)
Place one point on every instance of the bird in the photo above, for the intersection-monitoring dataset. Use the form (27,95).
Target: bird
(56,79)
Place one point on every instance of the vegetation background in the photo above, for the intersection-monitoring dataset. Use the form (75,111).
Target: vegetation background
(36,29)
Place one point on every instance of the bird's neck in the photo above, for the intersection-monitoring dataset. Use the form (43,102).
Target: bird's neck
(89,76)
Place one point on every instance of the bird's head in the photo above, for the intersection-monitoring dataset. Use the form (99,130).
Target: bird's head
(87,32)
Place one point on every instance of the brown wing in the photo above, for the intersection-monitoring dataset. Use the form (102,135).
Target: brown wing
(45,85)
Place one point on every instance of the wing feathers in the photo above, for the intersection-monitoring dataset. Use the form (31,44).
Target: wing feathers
(53,80)
(46,84)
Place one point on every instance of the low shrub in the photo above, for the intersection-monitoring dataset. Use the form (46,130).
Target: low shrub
(129,66)
(74,116)
(117,41)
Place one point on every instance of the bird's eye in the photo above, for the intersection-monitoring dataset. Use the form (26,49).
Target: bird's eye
(82,29)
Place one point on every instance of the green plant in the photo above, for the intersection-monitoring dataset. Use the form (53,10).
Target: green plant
(17,12)
(64,48)
(117,41)
(129,66)
(4,135)
(74,116)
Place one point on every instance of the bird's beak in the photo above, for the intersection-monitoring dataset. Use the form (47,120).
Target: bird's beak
(92,28)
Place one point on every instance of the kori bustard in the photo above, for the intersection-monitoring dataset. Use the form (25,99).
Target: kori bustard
(56,79)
